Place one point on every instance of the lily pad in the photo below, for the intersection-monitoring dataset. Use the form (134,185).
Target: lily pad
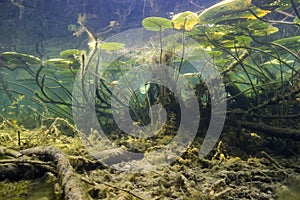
(19,59)
(58,62)
(239,15)
(186,20)
(111,46)
(268,31)
(70,53)
(219,10)
(290,42)
(156,23)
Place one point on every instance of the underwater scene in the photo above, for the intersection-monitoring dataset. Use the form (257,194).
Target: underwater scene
(149,99)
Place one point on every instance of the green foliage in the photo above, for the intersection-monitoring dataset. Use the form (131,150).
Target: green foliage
(156,23)
(14,59)
(111,46)
(224,8)
(70,54)
(186,20)
(58,62)
(290,42)
(250,52)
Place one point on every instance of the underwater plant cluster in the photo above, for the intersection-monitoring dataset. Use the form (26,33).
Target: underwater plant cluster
(193,100)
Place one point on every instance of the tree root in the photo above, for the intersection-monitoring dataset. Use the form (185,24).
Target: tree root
(68,178)
(17,165)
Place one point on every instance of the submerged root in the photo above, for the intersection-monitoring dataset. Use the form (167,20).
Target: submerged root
(68,178)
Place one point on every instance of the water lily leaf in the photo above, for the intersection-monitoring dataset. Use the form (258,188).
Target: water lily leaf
(242,15)
(254,25)
(156,23)
(219,10)
(73,55)
(258,12)
(70,53)
(58,62)
(258,28)
(20,59)
(268,31)
(186,20)
(111,46)
(290,42)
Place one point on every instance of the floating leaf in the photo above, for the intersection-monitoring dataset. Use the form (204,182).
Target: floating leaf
(241,15)
(70,53)
(219,10)
(186,20)
(20,59)
(258,12)
(58,62)
(291,42)
(73,55)
(268,31)
(111,46)
(156,23)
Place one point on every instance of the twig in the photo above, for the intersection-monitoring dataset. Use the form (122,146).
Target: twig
(112,186)
(272,160)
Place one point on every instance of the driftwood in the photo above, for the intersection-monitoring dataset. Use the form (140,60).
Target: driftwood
(70,182)
(20,165)
(270,130)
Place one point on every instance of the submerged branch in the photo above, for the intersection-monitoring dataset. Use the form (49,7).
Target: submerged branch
(271,130)
(68,178)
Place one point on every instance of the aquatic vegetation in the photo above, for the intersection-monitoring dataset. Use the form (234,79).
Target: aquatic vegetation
(36,81)
(19,58)
(255,62)
(255,47)
(186,21)
(58,62)
(224,7)
(246,47)
(111,46)
(156,23)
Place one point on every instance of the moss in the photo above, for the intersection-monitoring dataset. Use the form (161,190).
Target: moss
(14,190)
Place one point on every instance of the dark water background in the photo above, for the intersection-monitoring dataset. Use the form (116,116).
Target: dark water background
(32,26)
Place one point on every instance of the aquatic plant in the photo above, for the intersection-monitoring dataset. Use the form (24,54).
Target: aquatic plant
(39,82)
(156,23)
(258,60)
(256,63)
(186,20)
